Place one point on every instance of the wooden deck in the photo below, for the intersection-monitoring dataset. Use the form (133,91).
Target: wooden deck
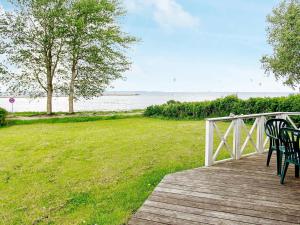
(235,192)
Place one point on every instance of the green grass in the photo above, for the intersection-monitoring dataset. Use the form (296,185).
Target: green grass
(96,172)
(76,119)
(83,113)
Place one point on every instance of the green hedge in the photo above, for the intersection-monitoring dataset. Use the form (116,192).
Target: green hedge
(223,107)
(3,114)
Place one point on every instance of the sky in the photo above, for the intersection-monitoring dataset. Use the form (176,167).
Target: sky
(197,46)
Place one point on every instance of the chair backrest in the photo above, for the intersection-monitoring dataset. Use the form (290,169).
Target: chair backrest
(290,138)
(273,127)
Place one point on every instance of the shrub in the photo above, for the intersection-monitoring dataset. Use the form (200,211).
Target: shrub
(172,102)
(3,114)
(223,107)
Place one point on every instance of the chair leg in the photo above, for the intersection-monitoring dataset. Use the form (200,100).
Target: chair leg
(296,171)
(269,156)
(286,165)
(279,161)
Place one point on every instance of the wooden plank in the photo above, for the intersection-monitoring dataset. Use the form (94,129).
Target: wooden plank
(242,183)
(238,176)
(236,192)
(156,218)
(233,173)
(253,168)
(280,214)
(138,221)
(209,144)
(240,179)
(225,182)
(236,189)
(189,216)
(213,213)
(223,197)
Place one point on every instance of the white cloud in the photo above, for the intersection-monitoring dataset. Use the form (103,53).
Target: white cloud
(167,13)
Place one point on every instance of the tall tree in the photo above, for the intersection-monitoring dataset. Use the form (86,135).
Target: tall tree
(284,37)
(3,69)
(96,47)
(31,36)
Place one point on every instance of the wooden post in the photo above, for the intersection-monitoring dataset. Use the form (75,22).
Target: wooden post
(237,139)
(284,116)
(281,116)
(209,143)
(260,134)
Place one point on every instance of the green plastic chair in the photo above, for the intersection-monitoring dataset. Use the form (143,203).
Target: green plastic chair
(272,128)
(290,138)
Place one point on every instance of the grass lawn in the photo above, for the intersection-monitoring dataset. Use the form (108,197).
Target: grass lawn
(76,114)
(97,172)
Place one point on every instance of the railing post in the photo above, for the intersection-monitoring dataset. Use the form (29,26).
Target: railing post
(284,116)
(281,116)
(237,139)
(209,143)
(260,134)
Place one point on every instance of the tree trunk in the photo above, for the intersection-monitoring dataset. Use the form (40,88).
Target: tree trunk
(72,89)
(49,85)
(49,100)
(71,100)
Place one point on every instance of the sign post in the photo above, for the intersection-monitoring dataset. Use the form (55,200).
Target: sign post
(12,101)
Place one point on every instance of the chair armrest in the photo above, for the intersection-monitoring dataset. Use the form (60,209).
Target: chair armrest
(271,136)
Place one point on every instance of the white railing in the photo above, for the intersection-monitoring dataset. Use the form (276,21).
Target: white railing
(237,125)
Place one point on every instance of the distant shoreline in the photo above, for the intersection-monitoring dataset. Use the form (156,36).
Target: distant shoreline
(138,93)
(67,96)
(125,101)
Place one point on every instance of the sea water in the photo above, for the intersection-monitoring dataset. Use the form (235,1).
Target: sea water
(122,101)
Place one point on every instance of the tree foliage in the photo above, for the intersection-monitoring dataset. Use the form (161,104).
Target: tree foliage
(31,36)
(95,47)
(71,47)
(284,37)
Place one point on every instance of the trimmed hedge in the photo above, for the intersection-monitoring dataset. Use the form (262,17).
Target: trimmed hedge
(3,114)
(223,107)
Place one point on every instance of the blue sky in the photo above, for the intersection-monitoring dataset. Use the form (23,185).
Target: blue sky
(198,45)
(205,45)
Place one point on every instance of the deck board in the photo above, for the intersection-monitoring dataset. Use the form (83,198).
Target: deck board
(233,192)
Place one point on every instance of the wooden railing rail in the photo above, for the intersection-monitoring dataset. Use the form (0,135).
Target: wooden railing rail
(235,128)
